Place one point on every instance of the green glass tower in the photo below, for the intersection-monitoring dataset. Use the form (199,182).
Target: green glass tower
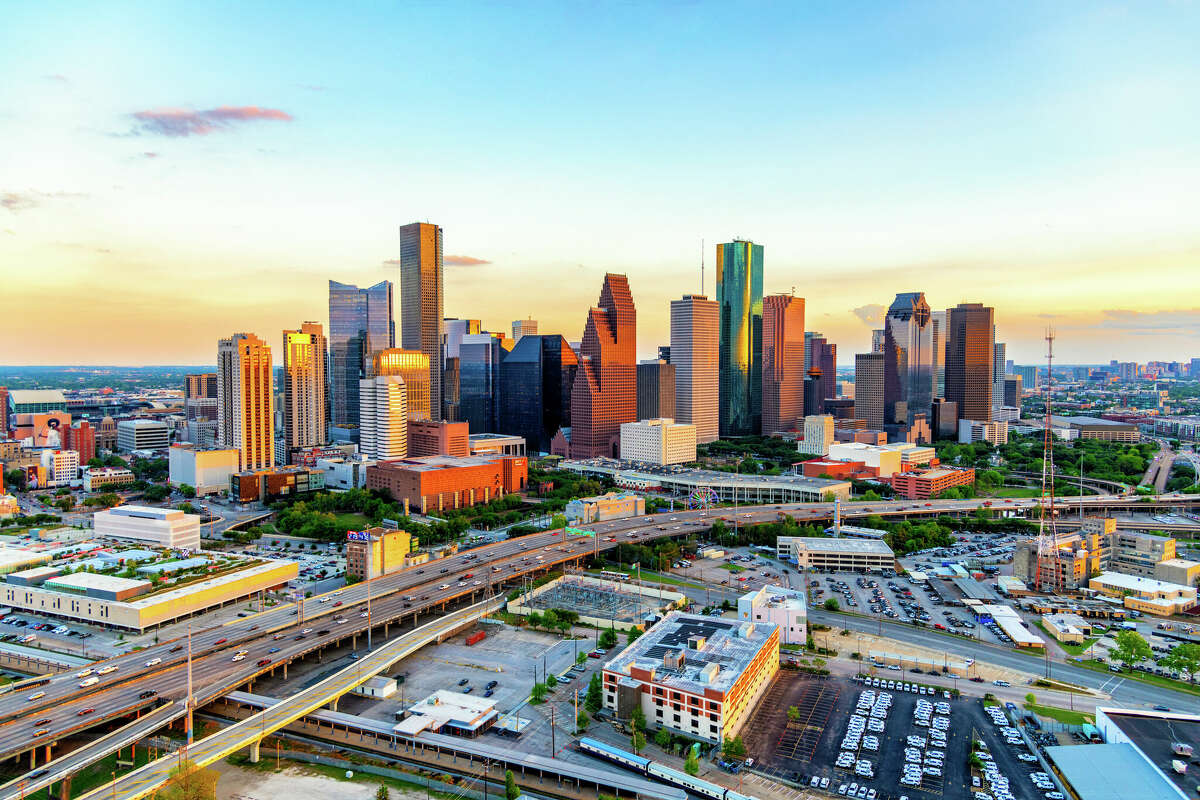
(740,300)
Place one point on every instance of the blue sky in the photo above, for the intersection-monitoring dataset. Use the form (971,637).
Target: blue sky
(1041,158)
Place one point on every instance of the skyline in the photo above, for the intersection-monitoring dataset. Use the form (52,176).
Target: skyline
(954,151)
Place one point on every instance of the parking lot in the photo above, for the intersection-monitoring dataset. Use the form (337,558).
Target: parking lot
(860,738)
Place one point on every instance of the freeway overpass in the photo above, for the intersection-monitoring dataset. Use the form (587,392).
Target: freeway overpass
(275,637)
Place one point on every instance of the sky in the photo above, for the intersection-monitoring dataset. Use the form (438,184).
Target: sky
(171,173)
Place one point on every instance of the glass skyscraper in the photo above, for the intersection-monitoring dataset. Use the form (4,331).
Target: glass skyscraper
(909,378)
(740,304)
(360,325)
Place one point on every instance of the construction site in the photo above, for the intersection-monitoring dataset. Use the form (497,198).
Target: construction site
(598,601)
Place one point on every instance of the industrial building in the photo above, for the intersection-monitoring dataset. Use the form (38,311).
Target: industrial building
(786,608)
(160,527)
(836,555)
(700,676)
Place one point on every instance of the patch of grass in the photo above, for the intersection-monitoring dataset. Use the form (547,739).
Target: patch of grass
(1062,715)
(1073,649)
(1136,675)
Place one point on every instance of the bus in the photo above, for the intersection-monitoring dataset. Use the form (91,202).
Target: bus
(614,576)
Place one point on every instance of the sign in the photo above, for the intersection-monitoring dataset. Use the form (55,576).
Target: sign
(358,536)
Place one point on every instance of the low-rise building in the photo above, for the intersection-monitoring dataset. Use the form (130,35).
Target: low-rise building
(142,434)
(440,482)
(162,527)
(836,555)
(696,675)
(1147,595)
(926,483)
(205,470)
(377,551)
(613,505)
(97,479)
(658,441)
(786,608)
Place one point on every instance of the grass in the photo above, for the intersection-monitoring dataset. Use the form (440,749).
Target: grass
(1135,675)
(1073,649)
(1062,715)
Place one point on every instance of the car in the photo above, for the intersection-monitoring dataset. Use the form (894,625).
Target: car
(147,693)
(152,662)
(83,712)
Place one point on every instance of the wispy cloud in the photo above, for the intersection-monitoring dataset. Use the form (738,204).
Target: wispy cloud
(16,202)
(178,122)
(870,314)
(464,261)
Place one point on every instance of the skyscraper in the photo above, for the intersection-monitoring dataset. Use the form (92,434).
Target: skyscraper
(535,389)
(907,359)
(604,394)
(937,321)
(383,418)
(246,399)
(421,301)
(969,354)
(304,381)
(360,325)
(413,366)
(782,363)
(480,356)
(524,327)
(868,389)
(740,298)
(655,389)
(694,354)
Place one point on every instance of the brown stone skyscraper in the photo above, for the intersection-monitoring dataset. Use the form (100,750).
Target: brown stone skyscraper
(421,324)
(969,354)
(604,394)
(782,362)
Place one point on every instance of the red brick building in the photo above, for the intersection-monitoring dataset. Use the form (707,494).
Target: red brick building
(429,438)
(440,482)
(604,393)
(926,483)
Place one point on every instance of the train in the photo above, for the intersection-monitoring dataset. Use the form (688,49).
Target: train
(652,769)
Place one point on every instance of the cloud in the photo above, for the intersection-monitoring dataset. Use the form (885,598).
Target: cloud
(1184,321)
(177,122)
(870,314)
(464,261)
(17,202)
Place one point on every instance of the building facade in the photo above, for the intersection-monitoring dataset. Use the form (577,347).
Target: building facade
(604,394)
(305,407)
(246,399)
(421,300)
(783,357)
(740,302)
(694,354)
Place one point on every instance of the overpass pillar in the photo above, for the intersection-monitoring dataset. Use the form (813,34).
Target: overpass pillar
(254,748)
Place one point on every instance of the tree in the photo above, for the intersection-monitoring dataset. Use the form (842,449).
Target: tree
(690,765)
(637,741)
(793,714)
(511,790)
(382,792)
(1185,658)
(1131,648)
(662,738)
(831,604)
(595,698)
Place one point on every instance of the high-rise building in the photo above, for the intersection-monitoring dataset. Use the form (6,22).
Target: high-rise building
(694,354)
(655,389)
(535,389)
(907,358)
(360,325)
(480,356)
(246,400)
(997,374)
(868,389)
(740,299)
(383,417)
(604,394)
(937,321)
(421,300)
(969,355)
(782,363)
(413,366)
(524,327)
(304,380)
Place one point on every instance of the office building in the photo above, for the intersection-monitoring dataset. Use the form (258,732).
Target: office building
(377,551)
(429,438)
(106,479)
(969,360)
(658,441)
(161,527)
(696,675)
(655,389)
(998,361)
(818,435)
(1013,389)
(970,430)
(535,389)
(246,399)
(305,377)
(413,367)
(908,377)
(613,505)
(524,327)
(868,389)
(278,483)
(142,434)
(360,325)
(782,363)
(383,417)
(835,555)
(604,394)
(441,482)
(480,358)
(694,354)
(740,301)
(206,471)
(785,608)
(421,300)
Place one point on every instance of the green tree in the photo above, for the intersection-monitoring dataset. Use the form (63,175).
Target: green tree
(595,697)
(1131,648)
(690,765)
(382,792)
(1185,658)
(831,604)
(511,790)
(662,738)
(637,741)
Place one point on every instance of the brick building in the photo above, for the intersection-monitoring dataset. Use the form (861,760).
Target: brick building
(440,482)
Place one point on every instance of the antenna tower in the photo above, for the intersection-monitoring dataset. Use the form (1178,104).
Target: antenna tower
(1047,573)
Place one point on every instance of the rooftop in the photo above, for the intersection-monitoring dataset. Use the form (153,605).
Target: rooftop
(715,651)
(1110,772)
(821,543)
